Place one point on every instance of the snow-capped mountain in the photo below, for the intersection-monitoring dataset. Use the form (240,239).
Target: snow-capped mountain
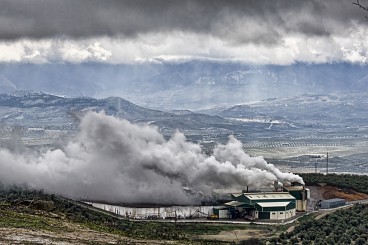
(191,85)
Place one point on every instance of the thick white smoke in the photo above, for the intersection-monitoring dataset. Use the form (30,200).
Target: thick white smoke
(114,160)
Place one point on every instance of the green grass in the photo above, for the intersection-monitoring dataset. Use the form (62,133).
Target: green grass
(16,219)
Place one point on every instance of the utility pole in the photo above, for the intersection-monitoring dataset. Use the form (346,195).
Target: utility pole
(315,166)
(327,164)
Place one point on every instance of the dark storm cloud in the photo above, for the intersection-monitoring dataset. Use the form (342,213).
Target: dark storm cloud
(234,20)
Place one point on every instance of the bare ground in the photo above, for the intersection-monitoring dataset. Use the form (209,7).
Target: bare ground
(236,235)
(328,192)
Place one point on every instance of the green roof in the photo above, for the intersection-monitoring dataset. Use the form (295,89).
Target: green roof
(234,195)
(275,206)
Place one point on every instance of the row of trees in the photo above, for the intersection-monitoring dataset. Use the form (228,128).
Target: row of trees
(357,183)
(347,226)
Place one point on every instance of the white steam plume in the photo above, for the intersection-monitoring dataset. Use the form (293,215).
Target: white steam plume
(114,160)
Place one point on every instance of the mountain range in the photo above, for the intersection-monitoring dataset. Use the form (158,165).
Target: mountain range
(190,85)
(279,129)
(39,114)
(280,119)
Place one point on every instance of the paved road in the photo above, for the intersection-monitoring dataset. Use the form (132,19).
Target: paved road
(364,201)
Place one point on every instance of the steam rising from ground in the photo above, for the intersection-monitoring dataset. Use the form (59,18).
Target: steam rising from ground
(114,160)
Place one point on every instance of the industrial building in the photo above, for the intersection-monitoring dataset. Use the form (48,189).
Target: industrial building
(282,203)
(332,203)
(277,205)
(265,205)
(301,195)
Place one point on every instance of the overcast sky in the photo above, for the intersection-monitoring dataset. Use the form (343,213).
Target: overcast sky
(121,31)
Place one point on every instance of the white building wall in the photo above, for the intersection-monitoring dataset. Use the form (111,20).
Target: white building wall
(290,213)
(161,212)
(224,214)
(301,205)
(182,211)
(279,215)
(287,214)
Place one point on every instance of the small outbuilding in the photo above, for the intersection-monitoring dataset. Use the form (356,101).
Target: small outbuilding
(332,203)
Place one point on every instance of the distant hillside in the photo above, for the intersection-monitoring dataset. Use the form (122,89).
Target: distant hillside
(327,111)
(284,130)
(40,115)
(189,85)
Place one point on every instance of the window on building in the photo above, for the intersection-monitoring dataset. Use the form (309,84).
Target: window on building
(281,212)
